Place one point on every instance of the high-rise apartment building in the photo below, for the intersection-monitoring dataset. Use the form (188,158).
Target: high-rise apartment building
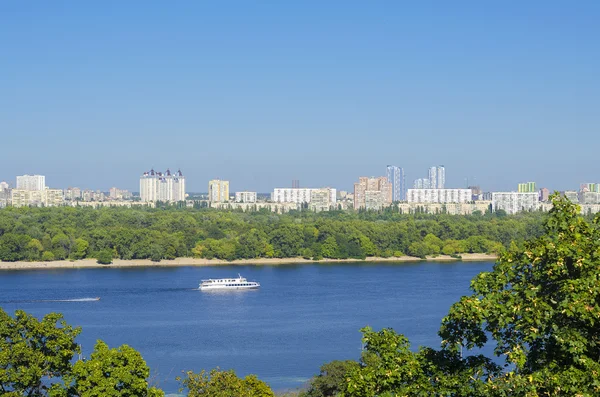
(437,177)
(364,196)
(159,186)
(527,187)
(396,178)
(218,191)
(31,182)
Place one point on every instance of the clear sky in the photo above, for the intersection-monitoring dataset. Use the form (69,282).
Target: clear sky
(94,93)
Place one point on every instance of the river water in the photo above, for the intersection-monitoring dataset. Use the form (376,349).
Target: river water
(302,317)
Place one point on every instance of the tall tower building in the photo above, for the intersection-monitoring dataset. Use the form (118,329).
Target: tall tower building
(433,178)
(437,177)
(218,191)
(31,182)
(441,177)
(396,178)
(159,186)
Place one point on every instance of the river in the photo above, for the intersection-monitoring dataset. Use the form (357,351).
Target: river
(302,316)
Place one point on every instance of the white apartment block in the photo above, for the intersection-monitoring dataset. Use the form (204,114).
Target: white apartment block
(513,202)
(438,195)
(158,186)
(37,198)
(299,195)
(31,182)
(245,197)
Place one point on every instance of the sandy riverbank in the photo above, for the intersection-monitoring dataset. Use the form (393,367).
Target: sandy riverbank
(91,263)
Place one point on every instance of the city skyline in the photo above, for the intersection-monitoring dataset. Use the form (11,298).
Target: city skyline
(511,185)
(263,93)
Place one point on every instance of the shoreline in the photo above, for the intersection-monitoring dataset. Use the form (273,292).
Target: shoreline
(180,262)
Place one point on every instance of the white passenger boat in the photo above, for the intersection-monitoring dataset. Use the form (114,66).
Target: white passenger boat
(228,284)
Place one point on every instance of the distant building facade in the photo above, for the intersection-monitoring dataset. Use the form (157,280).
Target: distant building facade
(544,194)
(397,180)
(302,195)
(245,197)
(366,196)
(514,202)
(572,195)
(218,191)
(322,199)
(159,186)
(37,198)
(119,194)
(439,195)
(422,183)
(437,177)
(31,182)
(527,187)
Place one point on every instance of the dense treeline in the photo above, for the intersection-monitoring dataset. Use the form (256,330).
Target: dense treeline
(32,234)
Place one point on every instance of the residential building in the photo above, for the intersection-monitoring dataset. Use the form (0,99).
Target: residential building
(322,199)
(158,186)
(446,208)
(544,194)
(422,183)
(72,193)
(397,180)
(218,191)
(513,202)
(31,182)
(439,195)
(572,195)
(527,187)
(300,195)
(245,197)
(119,194)
(589,197)
(373,184)
(437,177)
(37,198)
(5,194)
(590,187)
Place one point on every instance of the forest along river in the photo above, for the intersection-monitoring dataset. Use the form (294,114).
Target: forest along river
(302,316)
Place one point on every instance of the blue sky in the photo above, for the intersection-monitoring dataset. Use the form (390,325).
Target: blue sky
(94,93)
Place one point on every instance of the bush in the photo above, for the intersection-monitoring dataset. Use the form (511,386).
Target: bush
(105,257)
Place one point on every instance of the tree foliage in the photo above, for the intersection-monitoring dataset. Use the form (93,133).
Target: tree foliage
(539,308)
(34,354)
(30,234)
(219,383)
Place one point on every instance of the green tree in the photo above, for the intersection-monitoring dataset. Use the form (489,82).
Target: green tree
(331,379)
(541,307)
(219,383)
(34,249)
(48,256)
(80,248)
(109,372)
(34,354)
(105,256)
